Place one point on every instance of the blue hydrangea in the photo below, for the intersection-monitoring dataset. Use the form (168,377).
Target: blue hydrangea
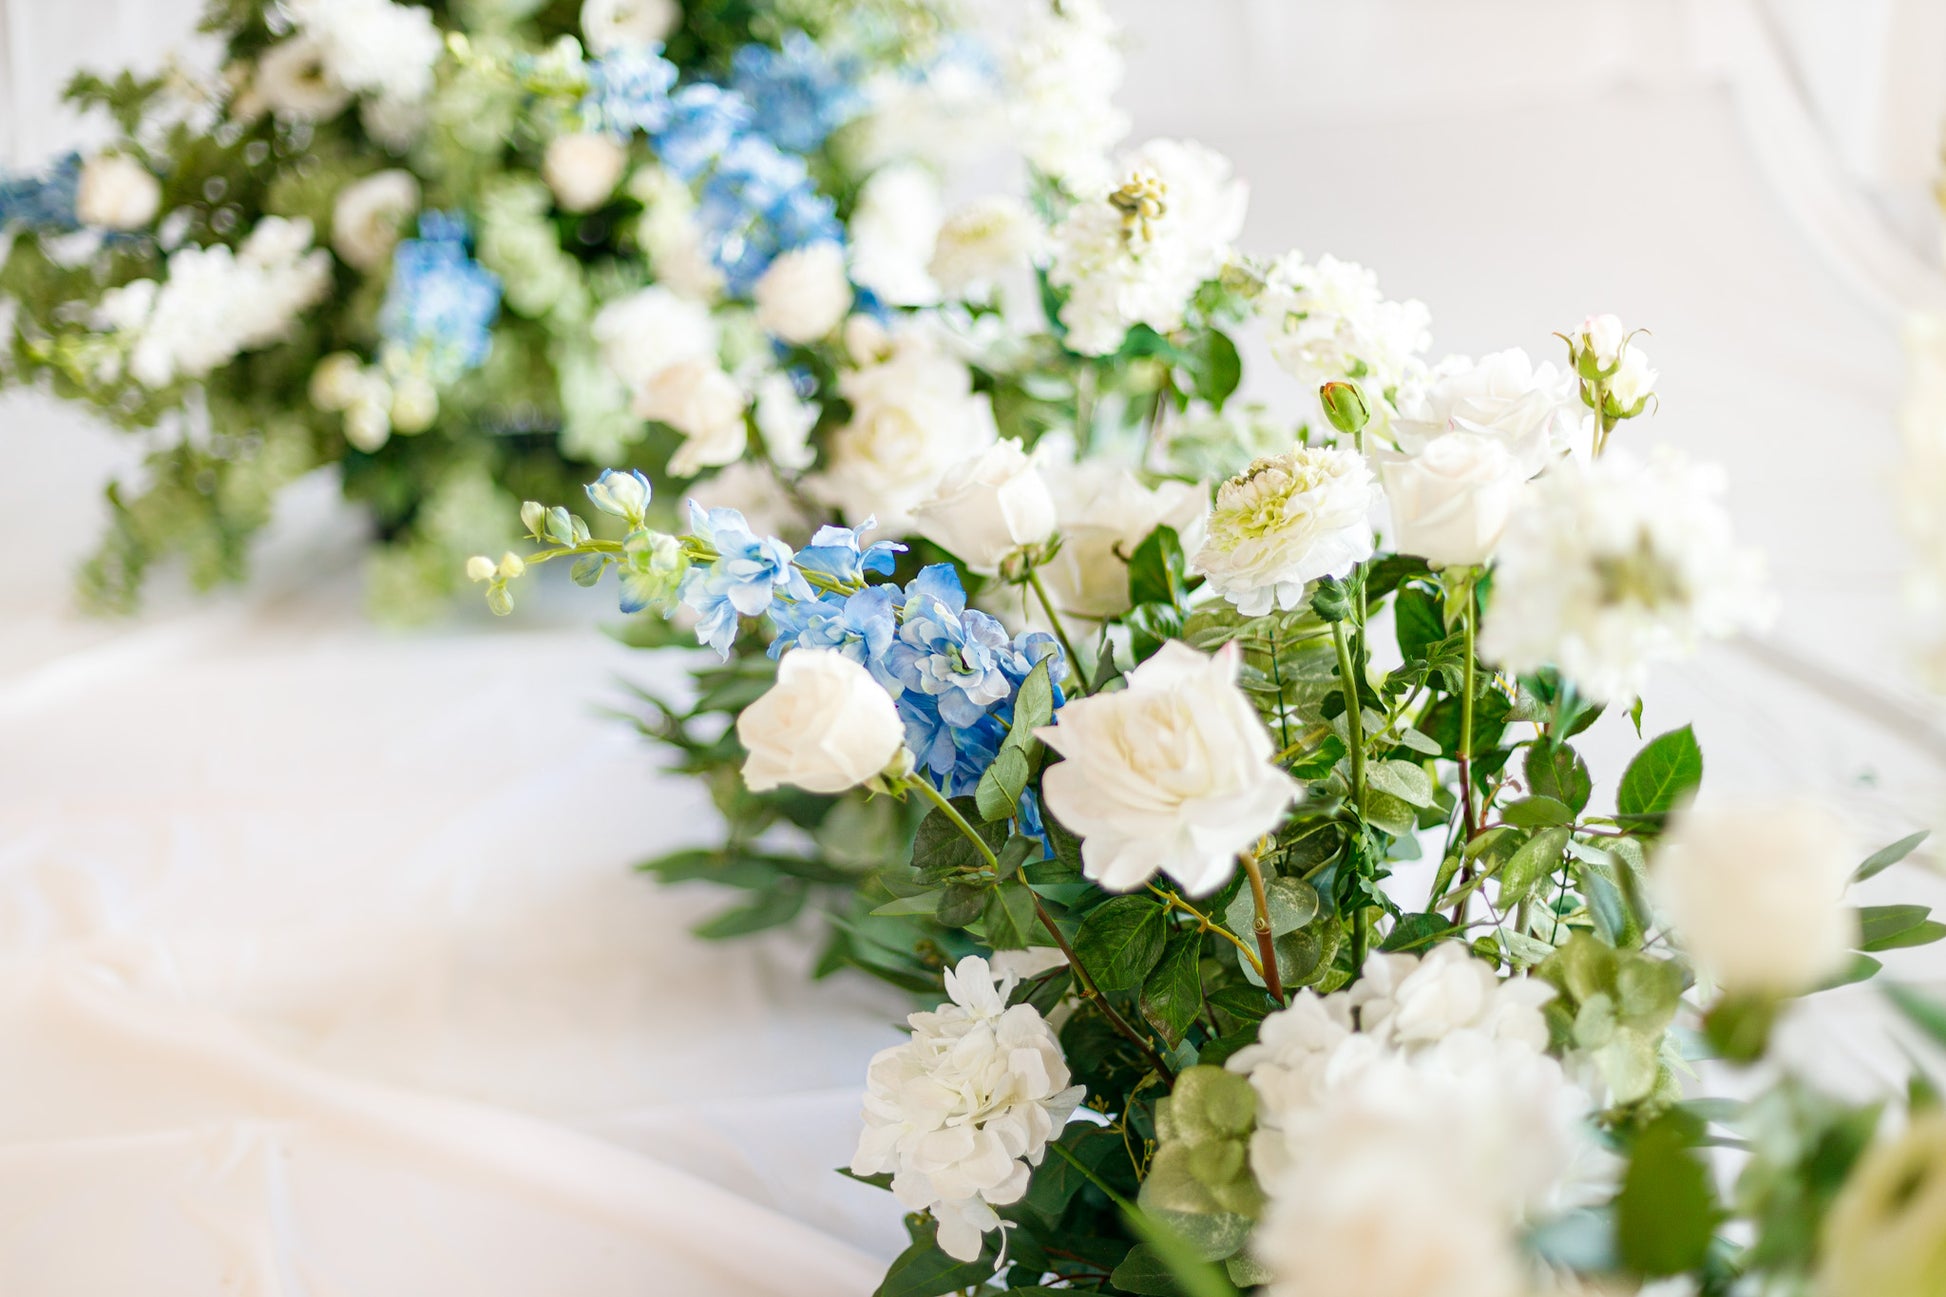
(953,756)
(746,577)
(757,203)
(702,122)
(798,94)
(955,655)
(839,553)
(441,304)
(44,202)
(628,91)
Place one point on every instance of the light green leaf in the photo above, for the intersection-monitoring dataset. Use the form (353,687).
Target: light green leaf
(1405,780)
(999,790)
(1885,857)
(1537,859)
(1663,774)
(1536,812)
(1293,903)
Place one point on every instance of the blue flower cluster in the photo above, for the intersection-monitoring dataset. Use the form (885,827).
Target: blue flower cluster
(43,202)
(757,204)
(441,304)
(799,94)
(628,91)
(952,670)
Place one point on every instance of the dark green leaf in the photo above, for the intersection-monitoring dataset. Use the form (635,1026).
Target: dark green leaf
(940,848)
(1155,570)
(962,903)
(1172,995)
(998,795)
(1010,917)
(1245,1003)
(1416,932)
(1415,616)
(922,1270)
(1923,935)
(771,908)
(1880,924)
(1016,852)
(1177,1257)
(1663,774)
(1556,770)
(1885,857)
(1214,367)
(1120,940)
(1667,1212)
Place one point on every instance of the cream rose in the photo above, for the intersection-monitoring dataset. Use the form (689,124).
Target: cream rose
(292,79)
(370,215)
(986,507)
(1103,512)
(116,193)
(704,404)
(804,295)
(583,170)
(825,726)
(1451,501)
(612,24)
(1172,774)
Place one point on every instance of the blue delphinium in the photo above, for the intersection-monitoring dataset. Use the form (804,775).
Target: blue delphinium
(861,626)
(948,651)
(628,91)
(839,553)
(702,121)
(441,303)
(799,94)
(747,575)
(44,202)
(757,203)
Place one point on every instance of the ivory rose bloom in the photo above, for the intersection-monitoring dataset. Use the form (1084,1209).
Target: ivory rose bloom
(370,215)
(1172,774)
(1284,522)
(825,726)
(1756,895)
(116,193)
(704,404)
(804,295)
(1451,501)
(583,170)
(1103,512)
(987,507)
(962,1112)
(1534,411)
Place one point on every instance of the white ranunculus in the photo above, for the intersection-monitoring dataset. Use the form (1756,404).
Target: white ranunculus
(1283,523)
(292,79)
(987,506)
(1103,511)
(1756,894)
(1451,501)
(1173,774)
(608,25)
(914,414)
(892,232)
(704,404)
(962,1112)
(651,329)
(1610,566)
(825,726)
(116,192)
(370,215)
(983,243)
(1535,411)
(804,295)
(583,169)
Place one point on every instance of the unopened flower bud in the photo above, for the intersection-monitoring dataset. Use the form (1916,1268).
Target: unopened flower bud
(511,566)
(479,568)
(1345,406)
(533,516)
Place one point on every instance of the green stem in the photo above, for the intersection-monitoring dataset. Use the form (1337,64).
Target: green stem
(1354,718)
(925,789)
(1060,632)
(1266,944)
(1468,826)
(1092,1178)
(1361,936)
(1205,923)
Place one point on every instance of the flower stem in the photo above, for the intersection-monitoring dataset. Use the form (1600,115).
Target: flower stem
(1468,825)
(1266,948)
(946,808)
(1205,923)
(1060,632)
(1354,718)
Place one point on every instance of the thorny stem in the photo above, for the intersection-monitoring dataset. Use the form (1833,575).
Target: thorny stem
(1266,948)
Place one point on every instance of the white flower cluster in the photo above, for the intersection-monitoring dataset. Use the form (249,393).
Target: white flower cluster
(892,233)
(371,47)
(962,1112)
(1611,565)
(1135,251)
(1286,521)
(1408,1126)
(213,304)
(1061,76)
(608,25)
(664,349)
(1327,322)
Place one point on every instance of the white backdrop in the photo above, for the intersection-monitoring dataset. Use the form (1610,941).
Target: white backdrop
(321,967)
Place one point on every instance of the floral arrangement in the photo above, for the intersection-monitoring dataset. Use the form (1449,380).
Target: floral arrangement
(1277,938)
(470,248)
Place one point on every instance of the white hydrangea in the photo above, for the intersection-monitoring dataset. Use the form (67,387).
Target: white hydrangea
(1135,251)
(214,304)
(1610,566)
(962,1112)
(1409,1126)
(372,47)
(914,414)
(1062,71)
(1284,522)
(1328,322)
(1533,410)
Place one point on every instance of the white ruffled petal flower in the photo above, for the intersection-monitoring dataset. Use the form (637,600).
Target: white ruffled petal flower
(116,192)
(804,295)
(1533,410)
(1284,522)
(370,215)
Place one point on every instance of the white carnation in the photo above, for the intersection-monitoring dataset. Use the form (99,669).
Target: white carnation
(1450,501)
(962,1112)
(825,726)
(1173,774)
(1534,411)
(804,294)
(1328,322)
(1283,523)
(892,232)
(583,169)
(1136,252)
(1062,71)
(988,506)
(369,217)
(608,25)
(1755,894)
(1103,511)
(1610,566)
(116,192)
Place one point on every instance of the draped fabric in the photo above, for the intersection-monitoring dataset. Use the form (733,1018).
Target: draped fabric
(322,967)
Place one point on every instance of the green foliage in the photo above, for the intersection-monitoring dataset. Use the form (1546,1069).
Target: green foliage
(1120,940)
(1666,1215)
(1663,775)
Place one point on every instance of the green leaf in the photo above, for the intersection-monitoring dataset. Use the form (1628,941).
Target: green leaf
(1664,773)
(1405,780)
(962,903)
(1923,935)
(1015,853)
(1120,940)
(1244,1003)
(1292,903)
(1033,706)
(1142,1272)
(1536,813)
(772,908)
(1173,994)
(1010,917)
(922,1270)
(1923,1012)
(998,795)
(1156,569)
(1536,859)
(1172,1257)
(1416,932)
(1885,857)
(1415,616)
(1666,1215)
(1214,367)
(1738,1027)
(941,849)
(1879,925)
(1556,770)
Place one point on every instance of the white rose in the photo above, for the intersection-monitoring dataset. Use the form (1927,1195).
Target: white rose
(1103,512)
(1283,523)
(116,193)
(986,507)
(804,294)
(982,243)
(612,24)
(1756,894)
(893,230)
(1172,774)
(1535,411)
(705,405)
(1451,501)
(369,217)
(652,328)
(292,79)
(583,170)
(825,726)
